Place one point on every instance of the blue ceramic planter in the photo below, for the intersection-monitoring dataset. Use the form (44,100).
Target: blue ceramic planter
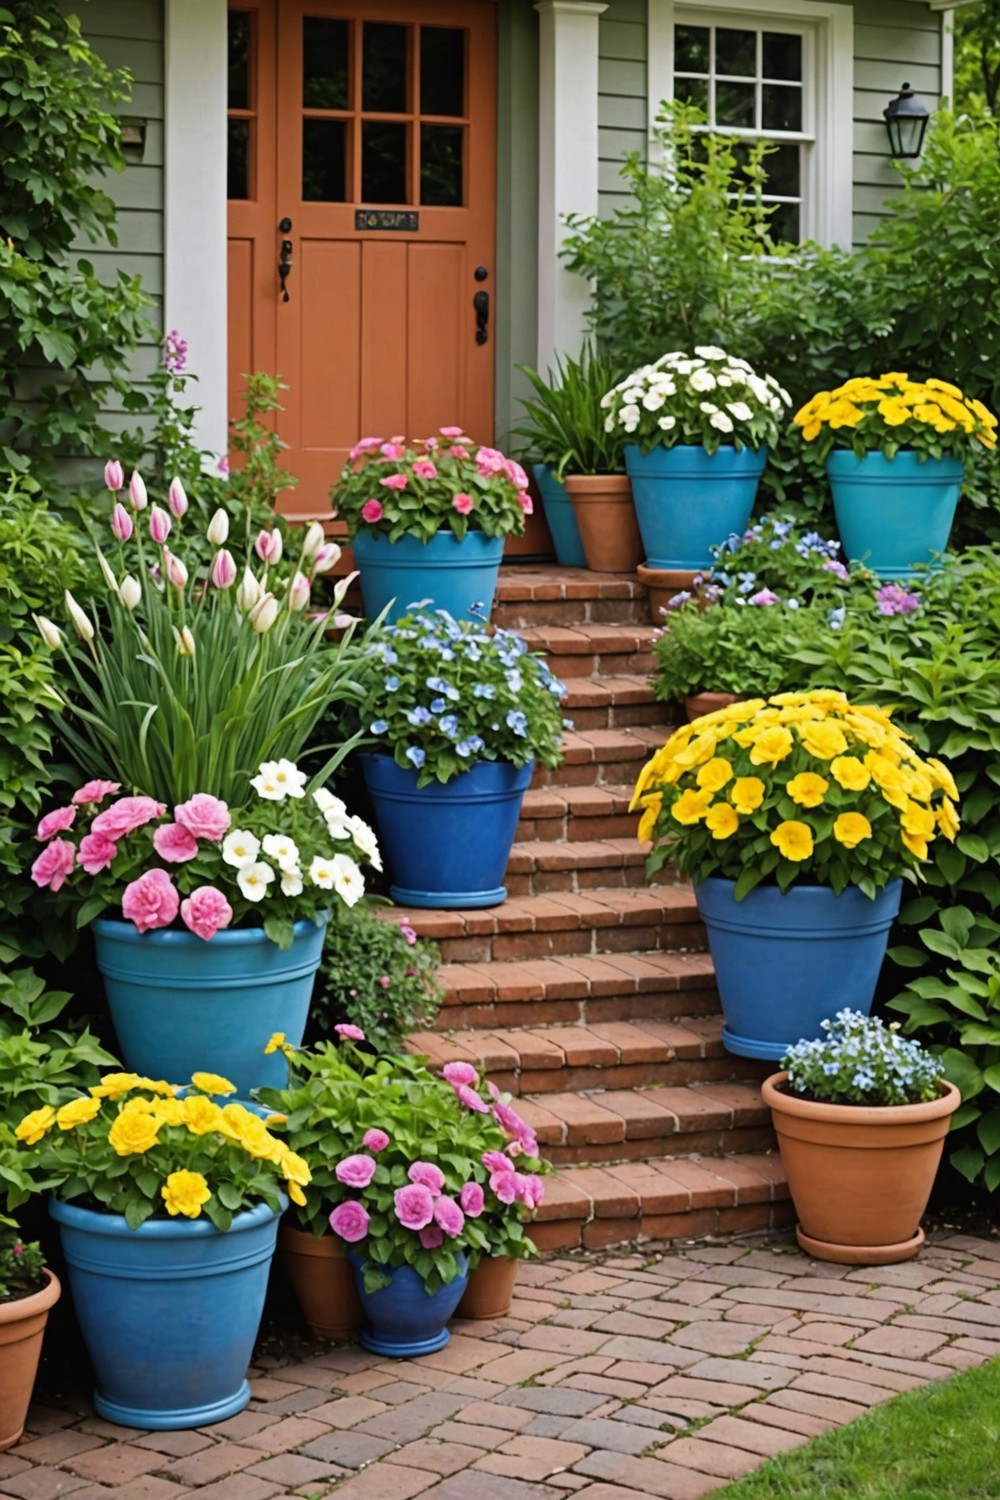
(560,518)
(447,845)
(786,963)
(893,513)
(688,501)
(180,1004)
(169,1311)
(443,573)
(403,1321)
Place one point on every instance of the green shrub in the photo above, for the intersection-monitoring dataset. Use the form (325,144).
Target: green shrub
(377,974)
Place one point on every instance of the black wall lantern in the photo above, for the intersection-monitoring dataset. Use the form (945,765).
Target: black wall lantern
(906,121)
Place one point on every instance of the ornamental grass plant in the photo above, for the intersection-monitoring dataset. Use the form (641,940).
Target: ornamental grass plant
(865,415)
(706,399)
(563,424)
(802,787)
(861,1060)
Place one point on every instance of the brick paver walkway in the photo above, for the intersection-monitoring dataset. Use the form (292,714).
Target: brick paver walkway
(617,1376)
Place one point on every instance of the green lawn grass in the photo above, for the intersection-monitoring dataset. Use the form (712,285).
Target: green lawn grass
(939,1443)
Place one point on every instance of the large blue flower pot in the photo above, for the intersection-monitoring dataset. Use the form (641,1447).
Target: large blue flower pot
(688,501)
(560,518)
(786,963)
(181,1004)
(402,1320)
(894,512)
(447,845)
(444,573)
(169,1311)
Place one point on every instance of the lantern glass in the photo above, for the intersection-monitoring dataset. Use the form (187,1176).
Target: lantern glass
(906,121)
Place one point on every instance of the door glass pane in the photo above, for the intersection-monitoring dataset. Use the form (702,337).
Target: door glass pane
(782,56)
(692,91)
(383,162)
(442,71)
(383,86)
(735,52)
(238,159)
(781,107)
(239,59)
(324,161)
(735,104)
(441,165)
(324,63)
(691,52)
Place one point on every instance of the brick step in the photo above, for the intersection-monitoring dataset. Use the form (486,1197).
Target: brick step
(528,595)
(612,1055)
(672,1198)
(616,703)
(587,650)
(659,919)
(602,757)
(578,812)
(541,866)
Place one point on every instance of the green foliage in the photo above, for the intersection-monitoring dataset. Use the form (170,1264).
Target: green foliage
(21,1264)
(860,1060)
(730,648)
(565,424)
(377,974)
(977,58)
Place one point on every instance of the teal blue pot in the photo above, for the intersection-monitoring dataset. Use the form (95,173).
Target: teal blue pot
(893,513)
(181,1005)
(444,573)
(688,501)
(169,1312)
(560,518)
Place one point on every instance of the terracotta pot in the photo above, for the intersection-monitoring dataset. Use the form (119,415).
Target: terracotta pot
(708,703)
(859,1176)
(491,1286)
(323,1283)
(663,585)
(602,504)
(22,1328)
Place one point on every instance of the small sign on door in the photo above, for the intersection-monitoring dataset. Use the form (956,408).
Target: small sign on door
(386,218)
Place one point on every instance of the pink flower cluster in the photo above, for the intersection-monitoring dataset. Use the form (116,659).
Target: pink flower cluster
(464,1080)
(424,1206)
(394,466)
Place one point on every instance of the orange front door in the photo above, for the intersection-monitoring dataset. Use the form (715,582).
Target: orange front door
(362,185)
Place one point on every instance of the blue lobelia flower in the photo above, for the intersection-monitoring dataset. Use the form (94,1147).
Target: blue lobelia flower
(483,690)
(418,715)
(517,721)
(448,725)
(391,684)
(416,756)
(379,727)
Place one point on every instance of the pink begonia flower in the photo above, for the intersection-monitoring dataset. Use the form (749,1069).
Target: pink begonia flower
(526,503)
(407,931)
(55,822)
(53,864)
(518,1131)
(137,491)
(394,482)
(372,511)
(126,815)
(463,503)
(427,1175)
(114,475)
(206,912)
(450,1217)
(349,1033)
(516,474)
(460,1072)
(223,574)
(121,523)
(471,1099)
(375,1140)
(432,1237)
(223,466)
(177,499)
(366,445)
(532,1191)
(452,432)
(496,1161)
(204,816)
(175,843)
(424,469)
(489,462)
(456,452)
(355,1171)
(268,546)
(392,450)
(160,525)
(96,852)
(150,902)
(472,1200)
(414,1206)
(505,1185)
(95,791)
(350,1221)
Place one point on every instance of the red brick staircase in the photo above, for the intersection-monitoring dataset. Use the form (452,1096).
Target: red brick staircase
(588,993)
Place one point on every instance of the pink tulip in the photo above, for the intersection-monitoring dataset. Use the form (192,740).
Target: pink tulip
(137,491)
(298,594)
(177,499)
(177,573)
(114,475)
(223,573)
(268,546)
(160,525)
(121,523)
(326,558)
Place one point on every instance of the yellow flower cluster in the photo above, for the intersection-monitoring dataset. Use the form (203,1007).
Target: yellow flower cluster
(745,769)
(888,404)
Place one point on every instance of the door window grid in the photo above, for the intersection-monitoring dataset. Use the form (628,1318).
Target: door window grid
(242,106)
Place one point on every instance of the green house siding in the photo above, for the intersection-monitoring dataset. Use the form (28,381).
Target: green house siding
(622,105)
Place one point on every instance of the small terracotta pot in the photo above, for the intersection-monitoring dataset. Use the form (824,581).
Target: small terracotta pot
(663,585)
(490,1289)
(708,703)
(323,1283)
(22,1328)
(859,1175)
(605,515)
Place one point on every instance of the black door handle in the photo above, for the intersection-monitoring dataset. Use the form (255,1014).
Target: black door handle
(481,302)
(285,267)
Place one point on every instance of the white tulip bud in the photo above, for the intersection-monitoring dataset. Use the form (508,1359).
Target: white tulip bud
(248,592)
(185,641)
(109,577)
(218,528)
(137,491)
(130,591)
(82,623)
(326,558)
(264,613)
(50,634)
(313,539)
(341,587)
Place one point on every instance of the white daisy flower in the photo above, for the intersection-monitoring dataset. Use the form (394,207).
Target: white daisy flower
(253,880)
(366,841)
(291,882)
(348,881)
(338,824)
(284,851)
(278,779)
(240,847)
(321,872)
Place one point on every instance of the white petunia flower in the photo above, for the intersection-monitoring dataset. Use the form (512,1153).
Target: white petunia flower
(253,880)
(719,420)
(240,847)
(724,380)
(740,411)
(321,873)
(702,380)
(284,851)
(338,825)
(666,423)
(609,424)
(653,399)
(327,802)
(366,841)
(278,779)
(629,416)
(291,882)
(348,881)
(709,351)
(708,407)
(632,395)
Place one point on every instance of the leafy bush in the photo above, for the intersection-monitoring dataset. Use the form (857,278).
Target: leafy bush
(377,974)
(733,648)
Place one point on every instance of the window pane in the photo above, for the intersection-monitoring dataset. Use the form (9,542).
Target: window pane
(785,224)
(442,71)
(782,56)
(238,159)
(781,107)
(736,52)
(692,91)
(691,54)
(383,162)
(239,59)
(735,104)
(324,63)
(383,86)
(441,165)
(784,171)
(324,161)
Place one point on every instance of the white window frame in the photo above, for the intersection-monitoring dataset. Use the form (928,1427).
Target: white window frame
(827,32)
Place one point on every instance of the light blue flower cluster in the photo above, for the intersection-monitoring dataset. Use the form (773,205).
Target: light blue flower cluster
(860,1060)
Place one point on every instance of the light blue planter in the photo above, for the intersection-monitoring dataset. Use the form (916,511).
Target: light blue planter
(893,513)
(169,1311)
(182,1005)
(444,573)
(447,844)
(786,963)
(688,501)
(560,518)
(403,1321)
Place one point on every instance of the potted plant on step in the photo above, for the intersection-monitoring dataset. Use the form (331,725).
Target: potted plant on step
(427,518)
(861,1115)
(797,818)
(895,452)
(28,1290)
(459,715)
